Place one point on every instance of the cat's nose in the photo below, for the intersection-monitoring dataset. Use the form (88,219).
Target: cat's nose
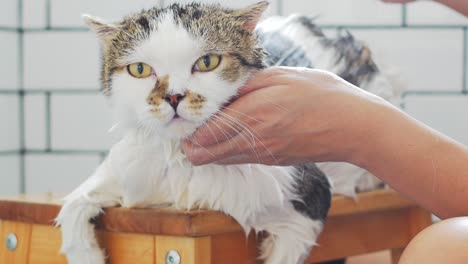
(174,100)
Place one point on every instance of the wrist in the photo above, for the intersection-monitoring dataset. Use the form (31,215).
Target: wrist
(377,121)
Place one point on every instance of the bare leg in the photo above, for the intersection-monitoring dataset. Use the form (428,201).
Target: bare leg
(444,242)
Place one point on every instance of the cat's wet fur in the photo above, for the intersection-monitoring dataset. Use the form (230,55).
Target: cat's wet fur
(147,167)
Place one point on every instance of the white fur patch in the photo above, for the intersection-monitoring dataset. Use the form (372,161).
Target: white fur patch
(147,167)
(143,172)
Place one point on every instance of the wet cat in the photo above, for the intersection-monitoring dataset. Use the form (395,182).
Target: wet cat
(167,71)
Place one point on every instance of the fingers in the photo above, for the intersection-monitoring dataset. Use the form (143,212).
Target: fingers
(236,116)
(247,159)
(200,155)
(223,126)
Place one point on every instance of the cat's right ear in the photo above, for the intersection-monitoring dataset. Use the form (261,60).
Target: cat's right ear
(104,31)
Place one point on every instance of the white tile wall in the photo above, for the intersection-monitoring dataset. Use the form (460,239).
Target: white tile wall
(9,13)
(67,13)
(56,173)
(34,13)
(446,113)
(9,175)
(429,12)
(35,121)
(9,125)
(424,59)
(427,60)
(8,60)
(61,60)
(349,12)
(81,122)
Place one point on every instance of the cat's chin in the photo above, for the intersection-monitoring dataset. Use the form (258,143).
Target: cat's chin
(179,128)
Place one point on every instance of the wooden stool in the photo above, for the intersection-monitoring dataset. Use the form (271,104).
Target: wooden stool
(379,220)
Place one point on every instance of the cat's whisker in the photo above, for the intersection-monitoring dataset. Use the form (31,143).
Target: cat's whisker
(248,116)
(198,145)
(252,132)
(239,131)
(271,101)
(238,123)
(213,134)
(226,135)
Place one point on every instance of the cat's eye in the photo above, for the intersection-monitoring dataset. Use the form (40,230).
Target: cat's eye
(139,70)
(207,63)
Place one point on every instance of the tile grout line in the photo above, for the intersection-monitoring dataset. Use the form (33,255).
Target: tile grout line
(48,14)
(21,105)
(88,152)
(78,29)
(404,16)
(465,60)
(48,121)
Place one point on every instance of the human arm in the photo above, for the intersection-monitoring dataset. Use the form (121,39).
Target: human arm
(300,115)
(460,6)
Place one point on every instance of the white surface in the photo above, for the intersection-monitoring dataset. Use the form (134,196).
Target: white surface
(67,13)
(9,126)
(8,13)
(448,114)
(429,12)
(429,60)
(9,175)
(8,60)
(35,121)
(81,122)
(61,60)
(34,13)
(354,12)
(55,173)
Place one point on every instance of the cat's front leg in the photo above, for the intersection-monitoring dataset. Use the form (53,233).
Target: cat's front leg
(294,226)
(290,235)
(79,242)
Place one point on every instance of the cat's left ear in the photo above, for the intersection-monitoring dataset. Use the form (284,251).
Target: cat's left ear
(104,31)
(250,16)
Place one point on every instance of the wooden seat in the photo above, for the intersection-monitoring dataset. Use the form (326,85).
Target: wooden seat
(376,221)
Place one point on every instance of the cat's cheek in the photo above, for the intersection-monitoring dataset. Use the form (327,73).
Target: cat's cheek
(162,113)
(185,111)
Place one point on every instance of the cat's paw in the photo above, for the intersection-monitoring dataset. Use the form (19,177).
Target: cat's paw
(85,256)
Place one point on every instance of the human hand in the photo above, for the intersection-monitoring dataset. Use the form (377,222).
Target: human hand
(286,116)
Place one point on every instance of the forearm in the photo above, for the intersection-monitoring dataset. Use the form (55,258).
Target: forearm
(457,5)
(421,163)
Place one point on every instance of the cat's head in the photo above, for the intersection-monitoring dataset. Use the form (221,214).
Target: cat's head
(168,70)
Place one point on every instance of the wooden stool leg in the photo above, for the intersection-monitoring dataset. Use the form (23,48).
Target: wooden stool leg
(22,233)
(191,250)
